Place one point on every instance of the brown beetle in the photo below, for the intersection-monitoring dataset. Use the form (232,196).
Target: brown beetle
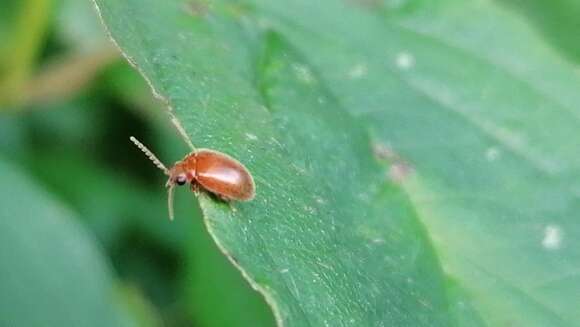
(213,171)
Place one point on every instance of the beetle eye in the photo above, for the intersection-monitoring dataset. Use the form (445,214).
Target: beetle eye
(180,180)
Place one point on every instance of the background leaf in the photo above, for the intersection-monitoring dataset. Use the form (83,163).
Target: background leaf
(473,113)
(51,270)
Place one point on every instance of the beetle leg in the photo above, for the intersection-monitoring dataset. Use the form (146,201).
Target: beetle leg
(232,207)
(195,188)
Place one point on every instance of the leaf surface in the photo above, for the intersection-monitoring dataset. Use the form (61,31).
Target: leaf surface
(52,272)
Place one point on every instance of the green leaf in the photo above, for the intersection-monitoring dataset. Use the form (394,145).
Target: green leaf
(472,113)
(52,272)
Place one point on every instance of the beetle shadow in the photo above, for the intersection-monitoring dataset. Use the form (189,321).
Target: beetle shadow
(216,198)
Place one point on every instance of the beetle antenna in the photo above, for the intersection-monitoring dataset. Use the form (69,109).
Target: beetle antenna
(182,132)
(150,155)
(170,200)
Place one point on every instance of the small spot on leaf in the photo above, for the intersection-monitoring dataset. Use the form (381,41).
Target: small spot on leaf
(552,239)
(492,154)
(303,73)
(399,169)
(251,137)
(405,60)
(197,8)
(358,71)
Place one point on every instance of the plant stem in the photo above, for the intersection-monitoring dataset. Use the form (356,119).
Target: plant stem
(28,36)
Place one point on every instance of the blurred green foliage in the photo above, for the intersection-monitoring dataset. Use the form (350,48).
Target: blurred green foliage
(81,193)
